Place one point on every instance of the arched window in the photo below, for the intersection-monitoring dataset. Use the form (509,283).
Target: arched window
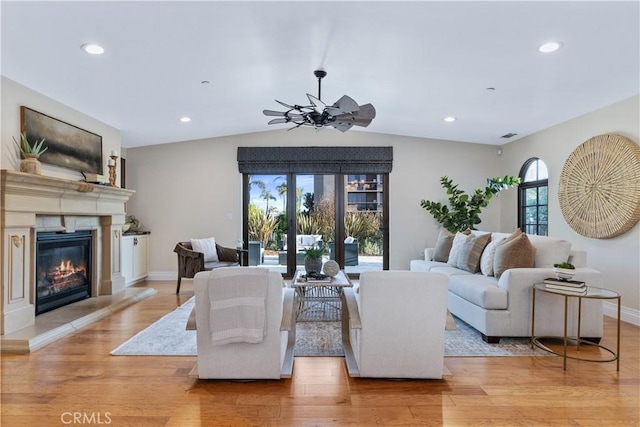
(533,205)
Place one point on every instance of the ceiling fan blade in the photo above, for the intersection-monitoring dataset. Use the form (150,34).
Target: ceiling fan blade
(318,105)
(291,107)
(346,104)
(342,126)
(278,121)
(367,111)
(273,113)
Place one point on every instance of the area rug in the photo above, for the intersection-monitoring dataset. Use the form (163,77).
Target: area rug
(168,337)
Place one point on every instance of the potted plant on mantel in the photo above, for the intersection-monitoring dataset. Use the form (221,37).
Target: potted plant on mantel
(464,210)
(30,153)
(313,258)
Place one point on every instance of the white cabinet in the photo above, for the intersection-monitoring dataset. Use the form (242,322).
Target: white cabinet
(134,258)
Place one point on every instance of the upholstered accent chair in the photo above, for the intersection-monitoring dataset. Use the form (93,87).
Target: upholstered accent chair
(395,324)
(224,351)
(191,262)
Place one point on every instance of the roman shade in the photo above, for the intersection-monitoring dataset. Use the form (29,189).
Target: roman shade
(272,160)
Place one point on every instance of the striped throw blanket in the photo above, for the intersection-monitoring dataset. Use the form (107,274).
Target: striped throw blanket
(237,312)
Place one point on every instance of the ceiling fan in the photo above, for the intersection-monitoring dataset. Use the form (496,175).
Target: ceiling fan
(342,115)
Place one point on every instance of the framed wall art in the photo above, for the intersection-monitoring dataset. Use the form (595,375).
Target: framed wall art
(69,146)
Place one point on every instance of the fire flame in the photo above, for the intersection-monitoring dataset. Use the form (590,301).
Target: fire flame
(66,268)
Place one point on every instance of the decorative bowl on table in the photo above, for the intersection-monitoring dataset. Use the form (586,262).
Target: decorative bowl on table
(125,227)
(564,273)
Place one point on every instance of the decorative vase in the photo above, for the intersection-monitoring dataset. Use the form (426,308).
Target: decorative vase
(30,164)
(313,264)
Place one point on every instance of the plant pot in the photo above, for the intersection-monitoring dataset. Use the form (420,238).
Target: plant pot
(564,273)
(30,164)
(313,264)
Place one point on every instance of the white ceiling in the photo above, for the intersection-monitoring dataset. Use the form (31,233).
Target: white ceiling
(416,62)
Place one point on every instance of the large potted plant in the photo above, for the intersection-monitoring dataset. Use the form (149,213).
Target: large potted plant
(463,210)
(30,153)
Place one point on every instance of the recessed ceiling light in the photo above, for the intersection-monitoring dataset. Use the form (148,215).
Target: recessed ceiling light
(185,119)
(550,47)
(205,82)
(449,119)
(92,48)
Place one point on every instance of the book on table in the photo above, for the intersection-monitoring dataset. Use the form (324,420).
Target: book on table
(562,282)
(572,289)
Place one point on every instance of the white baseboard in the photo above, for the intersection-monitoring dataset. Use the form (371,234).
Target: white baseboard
(155,276)
(627,314)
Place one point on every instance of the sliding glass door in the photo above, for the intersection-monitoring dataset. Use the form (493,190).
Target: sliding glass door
(342,213)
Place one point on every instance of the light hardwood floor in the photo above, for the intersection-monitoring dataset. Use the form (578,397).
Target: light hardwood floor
(76,377)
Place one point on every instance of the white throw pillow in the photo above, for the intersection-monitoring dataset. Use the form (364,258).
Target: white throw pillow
(456,247)
(207,247)
(486,261)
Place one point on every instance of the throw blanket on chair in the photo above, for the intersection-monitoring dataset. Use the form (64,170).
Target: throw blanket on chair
(237,312)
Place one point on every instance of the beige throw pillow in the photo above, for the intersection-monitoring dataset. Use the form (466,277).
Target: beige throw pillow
(443,246)
(468,251)
(517,252)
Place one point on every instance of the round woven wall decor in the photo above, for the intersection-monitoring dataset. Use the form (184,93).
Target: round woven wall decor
(599,189)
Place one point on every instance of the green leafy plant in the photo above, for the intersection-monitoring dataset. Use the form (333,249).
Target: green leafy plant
(315,252)
(566,265)
(25,147)
(463,211)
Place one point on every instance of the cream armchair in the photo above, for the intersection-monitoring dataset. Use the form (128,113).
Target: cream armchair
(272,357)
(395,322)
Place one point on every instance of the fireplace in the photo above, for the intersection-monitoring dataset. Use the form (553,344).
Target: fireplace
(63,269)
(34,205)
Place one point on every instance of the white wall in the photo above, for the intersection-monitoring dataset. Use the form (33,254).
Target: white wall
(15,95)
(617,258)
(193,189)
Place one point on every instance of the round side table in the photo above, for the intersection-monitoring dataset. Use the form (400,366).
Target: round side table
(592,293)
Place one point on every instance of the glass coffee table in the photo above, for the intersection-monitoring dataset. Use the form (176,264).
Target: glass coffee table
(319,300)
(591,293)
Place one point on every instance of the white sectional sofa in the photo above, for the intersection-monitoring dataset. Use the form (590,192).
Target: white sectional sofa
(501,307)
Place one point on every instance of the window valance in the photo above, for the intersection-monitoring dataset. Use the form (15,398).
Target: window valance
(267,160)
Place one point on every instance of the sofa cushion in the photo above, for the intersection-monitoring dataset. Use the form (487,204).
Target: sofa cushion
(513,252)
(488,255)
(219,264)
(443,246)
(448,270)
(550,251)
(480,290)
(425,265)
(207,247)
(468,251)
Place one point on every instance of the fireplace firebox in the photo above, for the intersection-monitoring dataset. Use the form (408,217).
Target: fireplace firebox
(63,269)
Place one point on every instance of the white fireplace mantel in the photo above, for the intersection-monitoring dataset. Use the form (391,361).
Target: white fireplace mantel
(32,203)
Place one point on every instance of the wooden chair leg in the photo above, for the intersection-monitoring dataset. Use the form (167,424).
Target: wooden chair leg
(178,287)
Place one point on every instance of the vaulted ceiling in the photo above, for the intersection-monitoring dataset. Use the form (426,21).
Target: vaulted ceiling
(416,62)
